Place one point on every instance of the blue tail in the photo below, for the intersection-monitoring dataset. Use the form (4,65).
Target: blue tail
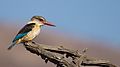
(10,47)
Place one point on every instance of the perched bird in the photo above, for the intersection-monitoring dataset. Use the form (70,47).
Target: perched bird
(30,30)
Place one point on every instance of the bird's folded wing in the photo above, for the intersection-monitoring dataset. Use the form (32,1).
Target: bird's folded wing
(27,28)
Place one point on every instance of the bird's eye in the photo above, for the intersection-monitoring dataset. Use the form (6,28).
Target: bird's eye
(41,19)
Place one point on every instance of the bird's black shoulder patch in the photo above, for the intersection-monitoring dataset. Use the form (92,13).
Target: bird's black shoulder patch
(27,28)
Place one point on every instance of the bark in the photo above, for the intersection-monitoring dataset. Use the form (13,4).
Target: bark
(63,57)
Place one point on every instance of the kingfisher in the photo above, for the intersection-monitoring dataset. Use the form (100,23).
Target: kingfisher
(30,30)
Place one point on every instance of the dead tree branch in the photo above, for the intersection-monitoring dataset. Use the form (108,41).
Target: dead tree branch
(64,57)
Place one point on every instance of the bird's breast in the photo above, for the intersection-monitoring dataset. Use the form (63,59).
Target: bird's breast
(33,33)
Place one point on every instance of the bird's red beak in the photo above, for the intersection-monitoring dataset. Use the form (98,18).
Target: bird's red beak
(49,24)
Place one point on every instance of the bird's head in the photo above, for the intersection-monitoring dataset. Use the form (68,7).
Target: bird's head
(41,20)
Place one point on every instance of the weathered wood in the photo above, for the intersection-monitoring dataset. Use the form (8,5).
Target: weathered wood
(64,57)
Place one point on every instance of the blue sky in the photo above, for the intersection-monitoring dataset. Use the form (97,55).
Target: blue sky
(97,19)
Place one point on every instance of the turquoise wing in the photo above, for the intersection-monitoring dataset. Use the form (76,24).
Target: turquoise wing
(19,36)
(24,31)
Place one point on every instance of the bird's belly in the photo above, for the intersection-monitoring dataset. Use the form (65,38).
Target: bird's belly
(32,34)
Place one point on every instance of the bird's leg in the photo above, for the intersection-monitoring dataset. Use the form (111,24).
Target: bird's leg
(26,42)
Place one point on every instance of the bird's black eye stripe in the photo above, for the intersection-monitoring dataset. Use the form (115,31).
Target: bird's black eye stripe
(41,19)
